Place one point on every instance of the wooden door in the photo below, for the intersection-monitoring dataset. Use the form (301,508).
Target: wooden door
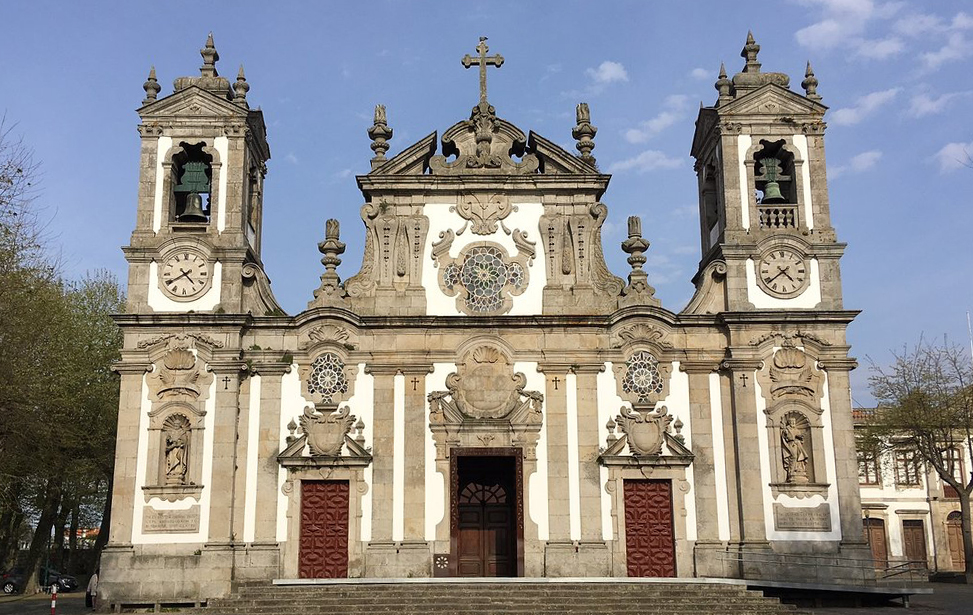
(954,538)
(914,539)
(649,542)
(486,530)
(323,550)
(875,536)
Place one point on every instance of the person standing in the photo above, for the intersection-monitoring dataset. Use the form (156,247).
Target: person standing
(91,593)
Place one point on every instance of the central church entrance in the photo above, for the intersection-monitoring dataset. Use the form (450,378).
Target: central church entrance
(487,528)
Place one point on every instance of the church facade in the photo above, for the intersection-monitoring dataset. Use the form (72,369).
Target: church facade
(484,397)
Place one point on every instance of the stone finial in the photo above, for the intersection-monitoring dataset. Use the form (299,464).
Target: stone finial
(638,289)
(749,53)
(210,58)
(379,133)
(584,133)
(724,86)
(240,89)
(151,87)
(330,291)
(810,83)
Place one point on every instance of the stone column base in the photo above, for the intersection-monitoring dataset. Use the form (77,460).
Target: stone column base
(398,560)
(577,559)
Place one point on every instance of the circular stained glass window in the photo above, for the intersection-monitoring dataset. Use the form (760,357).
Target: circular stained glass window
(642,376)
(327,376)
(484,275)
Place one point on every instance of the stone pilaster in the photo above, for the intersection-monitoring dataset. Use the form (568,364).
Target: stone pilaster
(589,470)
(268,447)
(382,451)
(416,424)
(124,488)
(746,449)
(559,506)
(227,407)
(704,469)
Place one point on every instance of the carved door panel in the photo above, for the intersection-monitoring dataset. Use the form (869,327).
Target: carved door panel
(323,550)
(875,536)
(954,538)
(649,542)
(914,540)
(486,536)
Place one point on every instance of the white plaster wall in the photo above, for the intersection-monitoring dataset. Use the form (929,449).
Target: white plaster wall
(362,405)
(253,442)
(526,218)
(574,467)
(608,405)
(743,145)
(800,143)
(398,457)
(222,146)
(164,145)
(159,302)
(677,403)
(435,481)
(719,457)
(789,501)
(537,485)
(809,299)
(206,476)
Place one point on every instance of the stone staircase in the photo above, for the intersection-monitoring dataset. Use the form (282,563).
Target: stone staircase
(617,596)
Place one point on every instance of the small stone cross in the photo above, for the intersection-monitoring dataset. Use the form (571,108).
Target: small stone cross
(743,377)
(556,382)
(415,384)
(226,382)
(483,61)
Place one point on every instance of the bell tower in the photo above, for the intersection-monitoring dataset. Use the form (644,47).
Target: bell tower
(763,199)
(196,245)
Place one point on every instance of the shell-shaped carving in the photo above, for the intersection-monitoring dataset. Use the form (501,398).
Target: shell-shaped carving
(486,354)
(790,358)
(179,359)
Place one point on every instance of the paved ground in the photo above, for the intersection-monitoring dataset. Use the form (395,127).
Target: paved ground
(947,599)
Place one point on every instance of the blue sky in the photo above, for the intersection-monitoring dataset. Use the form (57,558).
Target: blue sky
(896,75)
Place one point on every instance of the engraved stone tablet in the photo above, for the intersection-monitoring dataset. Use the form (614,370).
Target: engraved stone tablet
(817,519)
(170,521)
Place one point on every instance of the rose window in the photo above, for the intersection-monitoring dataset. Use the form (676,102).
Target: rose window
(327,376)
(483,278)
(642,376)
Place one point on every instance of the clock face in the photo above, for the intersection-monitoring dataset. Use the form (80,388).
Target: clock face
(185,275)
(783,273)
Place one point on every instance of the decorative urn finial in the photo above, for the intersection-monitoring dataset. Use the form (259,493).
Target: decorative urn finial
(584,133)
(638,289)
(210,58)
(810,83)
(330,291)
(379,133)
(749,53)
(151,87)
(240,89)
(724,86)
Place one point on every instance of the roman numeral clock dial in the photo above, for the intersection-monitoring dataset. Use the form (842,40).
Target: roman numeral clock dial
(185,275)
(783,273)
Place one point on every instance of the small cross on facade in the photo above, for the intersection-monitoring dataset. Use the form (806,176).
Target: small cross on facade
(743,377)
(556,382)
(226,382)
(415,384)
(483,61)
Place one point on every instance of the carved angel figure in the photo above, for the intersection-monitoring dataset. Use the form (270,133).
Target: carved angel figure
(176,430)
(794,455)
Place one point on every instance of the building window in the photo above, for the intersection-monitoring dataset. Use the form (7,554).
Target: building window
(954,461)
(906,469)
(868,469)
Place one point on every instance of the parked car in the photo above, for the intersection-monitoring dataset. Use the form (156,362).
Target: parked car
(12,581)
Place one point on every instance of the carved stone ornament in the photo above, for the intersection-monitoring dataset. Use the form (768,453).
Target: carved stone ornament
(643,379)
(485,212)
(794,435)
(645,430)
(327,379)
(792,373)
(486,405)
(176,430)
(180,339)
(789,338)
(327,334)
(179,375)
(641,332)
(483,277)
(326,431)
(484,145)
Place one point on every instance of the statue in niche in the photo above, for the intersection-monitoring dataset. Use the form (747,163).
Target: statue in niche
(794,454)
(176,430)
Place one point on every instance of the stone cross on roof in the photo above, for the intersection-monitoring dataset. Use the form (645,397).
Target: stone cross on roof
(483,61)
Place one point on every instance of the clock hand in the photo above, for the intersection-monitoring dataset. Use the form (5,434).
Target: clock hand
(184,274)
(774,278)
(784,271)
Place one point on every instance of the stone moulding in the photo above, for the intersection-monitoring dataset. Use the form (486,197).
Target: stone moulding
(677,455)
(800,491)
(172,493)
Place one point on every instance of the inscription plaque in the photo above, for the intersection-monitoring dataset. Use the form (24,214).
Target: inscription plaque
(816,519)
(170,521)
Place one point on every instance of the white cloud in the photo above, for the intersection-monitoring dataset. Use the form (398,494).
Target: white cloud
(843,24)
(954,156)
(924,104)
(857,164)
(343,174)
(864,107)
(291,158)
(881,49)
(701,74)
(608,72)
(674,110)
(649,160)
(957,47)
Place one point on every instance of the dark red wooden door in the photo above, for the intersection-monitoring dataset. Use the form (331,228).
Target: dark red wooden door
(486,531)
(324,530)
(649,541)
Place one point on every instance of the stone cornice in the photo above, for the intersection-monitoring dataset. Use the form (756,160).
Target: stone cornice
(270,368)
(126,368)
(837,364)
(741,364)
(700,366)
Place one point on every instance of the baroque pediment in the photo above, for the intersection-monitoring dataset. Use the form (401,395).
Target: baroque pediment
(772,100)
(192,102)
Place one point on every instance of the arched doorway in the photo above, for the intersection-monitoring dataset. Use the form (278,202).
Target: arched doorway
(954,538)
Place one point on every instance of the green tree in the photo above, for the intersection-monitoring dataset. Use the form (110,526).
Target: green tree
(926,408)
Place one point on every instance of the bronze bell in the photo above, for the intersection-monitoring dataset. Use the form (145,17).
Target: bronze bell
(194,209)
(772,193)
